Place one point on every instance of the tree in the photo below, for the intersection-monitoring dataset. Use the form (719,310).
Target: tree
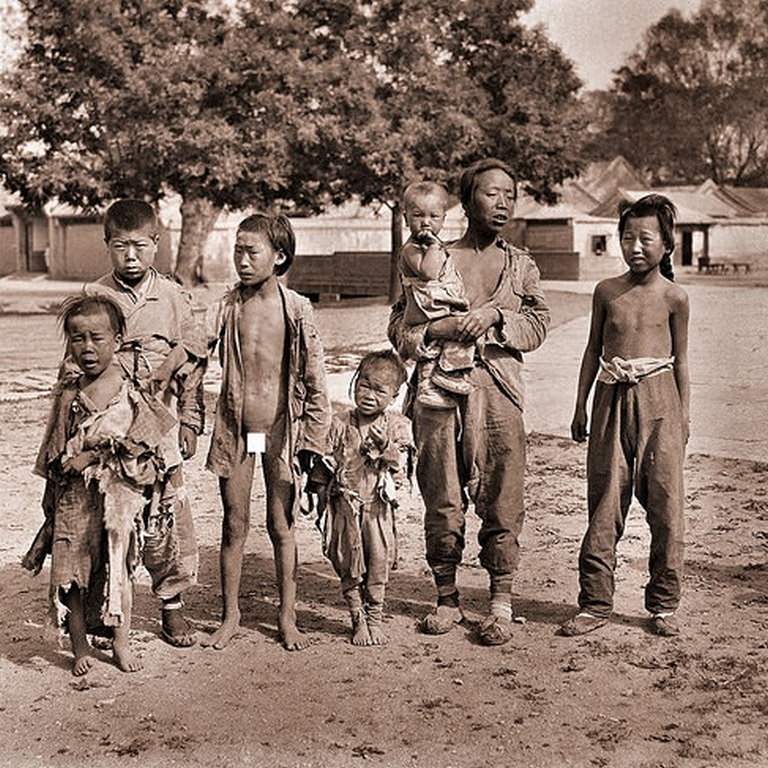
(692,103)
(146,97)
(442,84)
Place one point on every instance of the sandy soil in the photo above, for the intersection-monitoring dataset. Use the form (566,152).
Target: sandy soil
(620,697)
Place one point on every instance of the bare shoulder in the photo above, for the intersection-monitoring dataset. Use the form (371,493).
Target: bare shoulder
(676,296)
(608,289)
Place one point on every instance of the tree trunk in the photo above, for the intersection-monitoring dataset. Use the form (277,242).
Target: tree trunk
(396,227)
(197,219)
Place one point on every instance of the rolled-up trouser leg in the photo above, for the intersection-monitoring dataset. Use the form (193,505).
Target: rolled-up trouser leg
(170,547)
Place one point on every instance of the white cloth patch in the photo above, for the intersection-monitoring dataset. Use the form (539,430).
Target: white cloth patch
(255,442)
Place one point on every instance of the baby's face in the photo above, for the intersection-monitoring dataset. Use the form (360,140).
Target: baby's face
(375,389)
(425,214)
(132,252)
(92,342)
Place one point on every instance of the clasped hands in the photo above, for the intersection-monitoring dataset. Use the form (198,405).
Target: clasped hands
(467,327)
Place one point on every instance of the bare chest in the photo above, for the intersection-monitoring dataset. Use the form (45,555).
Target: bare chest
(261,332)
(637,324)
(480,272)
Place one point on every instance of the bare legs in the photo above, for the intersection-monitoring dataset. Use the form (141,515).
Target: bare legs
(236,495)
(73,599)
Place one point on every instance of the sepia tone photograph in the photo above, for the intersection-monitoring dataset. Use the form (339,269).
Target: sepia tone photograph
(384,383)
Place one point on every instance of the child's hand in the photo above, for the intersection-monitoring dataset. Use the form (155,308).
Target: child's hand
(378,436)
(476,322)
(187,441)
(579,425)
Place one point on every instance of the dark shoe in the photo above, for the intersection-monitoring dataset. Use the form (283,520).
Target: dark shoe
(443,619)
(494,630)
(581,624)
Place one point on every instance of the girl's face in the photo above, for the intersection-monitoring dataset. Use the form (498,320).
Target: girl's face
(255,257)
(375,389)
(92,342)
(642,244)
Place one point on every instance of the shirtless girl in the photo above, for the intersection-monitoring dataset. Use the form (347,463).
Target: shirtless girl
(273,402)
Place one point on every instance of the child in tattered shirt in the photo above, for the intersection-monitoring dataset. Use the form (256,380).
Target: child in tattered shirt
(103,460)
(370,456)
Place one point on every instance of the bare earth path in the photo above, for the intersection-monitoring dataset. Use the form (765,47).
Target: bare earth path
(620,697)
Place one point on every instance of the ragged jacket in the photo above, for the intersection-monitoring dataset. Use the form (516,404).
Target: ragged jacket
(524,322)
(309,409)
(158,316)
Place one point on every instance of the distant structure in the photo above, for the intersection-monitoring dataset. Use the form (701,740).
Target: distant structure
(345,250)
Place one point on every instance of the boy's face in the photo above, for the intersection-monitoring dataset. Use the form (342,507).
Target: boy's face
(132,253)
(642,244)
(425,214)
(92,342)
(255,257)
(375,389)
(493,201)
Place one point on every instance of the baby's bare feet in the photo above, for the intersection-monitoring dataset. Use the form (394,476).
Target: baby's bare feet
(360,633)
(221,638)
(125,659)
(82,664)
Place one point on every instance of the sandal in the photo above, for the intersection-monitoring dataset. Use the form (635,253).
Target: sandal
(581,624)
(177,631)
(494,630)
(441,621)
(665,625)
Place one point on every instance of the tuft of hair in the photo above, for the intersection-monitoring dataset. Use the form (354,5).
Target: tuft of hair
(665,212)
(468,179)
(279,232)
(92,304)
(129,215)
(382,357)
(418,190)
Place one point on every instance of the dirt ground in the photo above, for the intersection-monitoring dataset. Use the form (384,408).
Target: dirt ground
(619,697)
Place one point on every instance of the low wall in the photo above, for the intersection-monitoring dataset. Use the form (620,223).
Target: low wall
(346,273)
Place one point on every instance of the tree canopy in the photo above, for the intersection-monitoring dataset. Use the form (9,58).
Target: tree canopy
(272,104)
(692,102)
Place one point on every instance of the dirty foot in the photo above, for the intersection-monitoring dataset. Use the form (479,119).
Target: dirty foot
(360,632)
(176,629)
(378,637)
(82,664)
(125,659)
(291,638)
(443,619)
(221,637)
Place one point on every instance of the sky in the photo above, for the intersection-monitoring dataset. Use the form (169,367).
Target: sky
(598,34)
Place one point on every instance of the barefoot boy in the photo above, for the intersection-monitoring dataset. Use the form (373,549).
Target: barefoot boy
(370,452)
(163,348)
(102,458)
(273,402)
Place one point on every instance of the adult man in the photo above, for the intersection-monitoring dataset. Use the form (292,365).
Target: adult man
(476,450)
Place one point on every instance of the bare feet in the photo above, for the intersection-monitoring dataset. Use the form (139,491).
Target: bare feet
(125,659)
(375,618)
(83,662)
(221,638)
(293,640)
(360,633)
(377,635)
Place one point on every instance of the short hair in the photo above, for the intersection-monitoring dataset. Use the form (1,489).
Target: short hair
(91,304)
(279,232)
(468,179)
(423,189)
(384,357)
(665,212)
(129,215)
